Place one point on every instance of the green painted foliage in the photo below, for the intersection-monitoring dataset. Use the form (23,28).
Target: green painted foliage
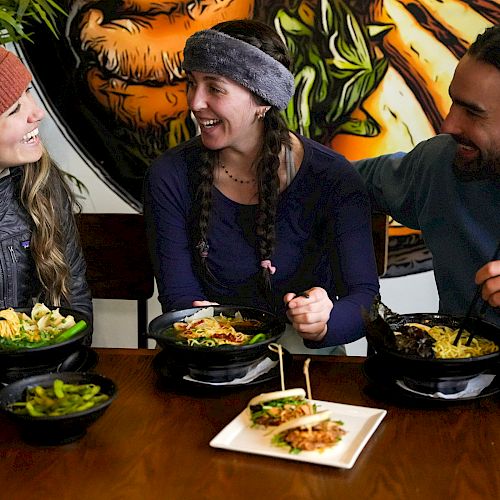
(334,68)
(18,16)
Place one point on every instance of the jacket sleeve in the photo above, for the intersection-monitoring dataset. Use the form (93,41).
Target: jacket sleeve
(398,183)
(80,296)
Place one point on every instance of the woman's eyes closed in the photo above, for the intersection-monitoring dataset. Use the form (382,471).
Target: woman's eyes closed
(18,105)
(216,90)
(15,110)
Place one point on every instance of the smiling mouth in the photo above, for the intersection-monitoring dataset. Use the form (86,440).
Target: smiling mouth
(30,137)
(208,123)
(467,153)
(467,147)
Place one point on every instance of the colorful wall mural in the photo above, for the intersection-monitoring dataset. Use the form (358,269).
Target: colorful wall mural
(372,77)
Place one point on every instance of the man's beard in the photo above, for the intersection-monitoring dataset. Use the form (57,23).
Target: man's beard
(485,167)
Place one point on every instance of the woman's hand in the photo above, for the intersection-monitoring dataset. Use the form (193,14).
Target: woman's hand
(202,303)
(489,277)
(309,315)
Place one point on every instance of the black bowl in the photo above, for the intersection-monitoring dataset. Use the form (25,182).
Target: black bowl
(26,362)
(432,375)
(60,429)
(223,363)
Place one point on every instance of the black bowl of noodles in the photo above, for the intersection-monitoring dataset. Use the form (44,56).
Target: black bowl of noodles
(17,363)
(403,344)
(216,363)
(52,421)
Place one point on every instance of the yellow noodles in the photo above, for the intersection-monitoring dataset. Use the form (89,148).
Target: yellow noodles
(210,332)
(444,348)
(43,324)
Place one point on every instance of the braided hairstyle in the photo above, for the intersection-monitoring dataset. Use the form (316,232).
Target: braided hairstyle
(276,135)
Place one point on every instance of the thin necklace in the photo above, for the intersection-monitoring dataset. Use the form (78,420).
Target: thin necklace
(235,179)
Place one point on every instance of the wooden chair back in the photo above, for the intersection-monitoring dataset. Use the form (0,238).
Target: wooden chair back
(118,262)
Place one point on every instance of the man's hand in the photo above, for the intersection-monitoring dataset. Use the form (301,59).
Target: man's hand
(489,277)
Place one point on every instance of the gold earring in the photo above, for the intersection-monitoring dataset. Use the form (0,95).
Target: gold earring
(261,115)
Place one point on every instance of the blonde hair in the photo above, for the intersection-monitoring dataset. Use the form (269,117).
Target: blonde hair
(45,195)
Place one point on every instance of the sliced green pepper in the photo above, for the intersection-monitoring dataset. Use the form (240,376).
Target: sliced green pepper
(42,401)
(58,389)
(91,391)
(85,406)
(257,338)
(70,332)
(32,411)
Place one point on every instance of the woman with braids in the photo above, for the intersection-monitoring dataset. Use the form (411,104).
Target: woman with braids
(40,258)
(251,214)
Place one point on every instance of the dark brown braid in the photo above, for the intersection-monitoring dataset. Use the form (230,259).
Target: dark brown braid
(276,135)
(203,206)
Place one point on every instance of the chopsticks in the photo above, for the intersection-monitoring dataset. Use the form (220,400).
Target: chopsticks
(477,296)
(472,305)
(479,316)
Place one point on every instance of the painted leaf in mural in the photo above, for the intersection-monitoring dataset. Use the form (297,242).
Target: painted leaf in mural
(334,67)
(17,17)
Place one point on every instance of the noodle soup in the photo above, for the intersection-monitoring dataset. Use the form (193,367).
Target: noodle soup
(43,346)
(440,338)
(216,343)
(41,327)
(217,331)
(404,345)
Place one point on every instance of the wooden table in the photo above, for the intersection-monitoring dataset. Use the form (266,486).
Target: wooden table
(153,443)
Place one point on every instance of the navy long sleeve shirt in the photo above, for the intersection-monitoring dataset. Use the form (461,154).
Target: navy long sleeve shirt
(323,238)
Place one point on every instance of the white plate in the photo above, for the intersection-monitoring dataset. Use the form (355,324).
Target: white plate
(359,422)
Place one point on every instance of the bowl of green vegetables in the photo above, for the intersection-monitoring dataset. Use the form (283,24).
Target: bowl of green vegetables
(57,408)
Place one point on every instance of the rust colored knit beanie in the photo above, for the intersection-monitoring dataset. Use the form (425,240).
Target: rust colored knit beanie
(14,78)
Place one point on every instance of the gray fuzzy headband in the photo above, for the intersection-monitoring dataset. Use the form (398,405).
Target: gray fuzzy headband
(214,52)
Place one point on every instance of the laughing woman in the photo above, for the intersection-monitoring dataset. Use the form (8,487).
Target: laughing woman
(251,214)
(40,258)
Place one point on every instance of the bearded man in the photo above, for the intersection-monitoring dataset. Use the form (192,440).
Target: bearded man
(449,186)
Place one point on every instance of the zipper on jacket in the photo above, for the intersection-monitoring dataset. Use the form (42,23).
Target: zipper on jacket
(13,256)
(12,253)
(3,286)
